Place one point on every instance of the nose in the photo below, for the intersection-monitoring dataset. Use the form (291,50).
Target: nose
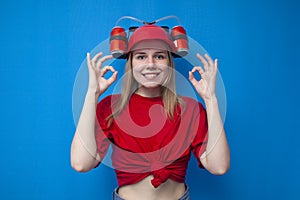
(151,60)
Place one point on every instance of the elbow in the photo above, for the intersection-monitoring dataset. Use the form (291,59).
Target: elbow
(79,167)
(219,166)
(220,171)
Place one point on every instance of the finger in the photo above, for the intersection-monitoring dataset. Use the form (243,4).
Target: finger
(90,64)
(203,60)
(192,78)
(103,59)
(210,61)
(195,69)
(96,57)
(216,64)
(106,69)
(88,58)
(215,67)
(199,69)
(112,78)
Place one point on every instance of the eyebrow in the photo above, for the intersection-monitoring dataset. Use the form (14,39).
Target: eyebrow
(142,52)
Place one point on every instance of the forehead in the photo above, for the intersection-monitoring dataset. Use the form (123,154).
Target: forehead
(149,51)
(151,44)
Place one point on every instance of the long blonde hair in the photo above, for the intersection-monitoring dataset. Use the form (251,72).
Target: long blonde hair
(168,90)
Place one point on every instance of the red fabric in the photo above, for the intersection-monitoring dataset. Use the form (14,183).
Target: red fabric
(150,32)
(145,142)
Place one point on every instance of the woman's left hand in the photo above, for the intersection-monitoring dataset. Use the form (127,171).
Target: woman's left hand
(206,86)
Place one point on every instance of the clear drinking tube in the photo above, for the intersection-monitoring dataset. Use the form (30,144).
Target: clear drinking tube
(145,22)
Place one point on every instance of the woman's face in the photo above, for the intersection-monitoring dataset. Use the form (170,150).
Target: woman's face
(150,66)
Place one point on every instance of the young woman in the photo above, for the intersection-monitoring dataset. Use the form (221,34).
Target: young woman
(152,130)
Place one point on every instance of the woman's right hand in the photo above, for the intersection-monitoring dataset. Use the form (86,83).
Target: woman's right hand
(97,82)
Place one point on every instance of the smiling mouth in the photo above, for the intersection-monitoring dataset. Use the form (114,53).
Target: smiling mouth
(150,75)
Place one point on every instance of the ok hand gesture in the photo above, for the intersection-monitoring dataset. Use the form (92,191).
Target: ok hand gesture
(97,82)
(206,86)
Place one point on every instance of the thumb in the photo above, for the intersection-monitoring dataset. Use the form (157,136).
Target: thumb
(192,78)
(88,60)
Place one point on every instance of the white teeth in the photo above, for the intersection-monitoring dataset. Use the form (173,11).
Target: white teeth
(150,76)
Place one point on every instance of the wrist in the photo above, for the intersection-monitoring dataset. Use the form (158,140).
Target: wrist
(92,93)
(212,101)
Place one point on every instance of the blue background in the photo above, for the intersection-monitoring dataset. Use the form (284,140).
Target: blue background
(43,44)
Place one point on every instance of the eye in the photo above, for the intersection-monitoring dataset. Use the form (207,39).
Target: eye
(140,57)
(160,57)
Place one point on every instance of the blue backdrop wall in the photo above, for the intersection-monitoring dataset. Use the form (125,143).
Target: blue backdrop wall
(43,44)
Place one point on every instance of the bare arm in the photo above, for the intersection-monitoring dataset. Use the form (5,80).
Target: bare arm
(84,156)
(216,158)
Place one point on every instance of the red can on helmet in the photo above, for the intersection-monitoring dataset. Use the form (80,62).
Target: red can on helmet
(176,41)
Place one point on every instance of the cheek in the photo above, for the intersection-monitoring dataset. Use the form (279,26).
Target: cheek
(166,62)
(136,73)
(167,74)
(135,69)
(135,63)
(166,71)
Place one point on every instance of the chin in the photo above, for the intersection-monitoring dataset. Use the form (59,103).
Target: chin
(151,85)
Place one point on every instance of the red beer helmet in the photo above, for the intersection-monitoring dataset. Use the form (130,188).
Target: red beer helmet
(177,40)
(150,32)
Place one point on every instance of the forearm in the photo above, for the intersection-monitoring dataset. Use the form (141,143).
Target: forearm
(84,148)
(217,156)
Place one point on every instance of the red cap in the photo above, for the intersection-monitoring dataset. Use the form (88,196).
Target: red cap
(150,32)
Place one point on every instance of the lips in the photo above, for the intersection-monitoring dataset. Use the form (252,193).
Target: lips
(150,75)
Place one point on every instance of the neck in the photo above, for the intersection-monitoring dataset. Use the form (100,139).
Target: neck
(149,92)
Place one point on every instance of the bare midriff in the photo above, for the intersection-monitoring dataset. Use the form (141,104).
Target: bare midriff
(168,190)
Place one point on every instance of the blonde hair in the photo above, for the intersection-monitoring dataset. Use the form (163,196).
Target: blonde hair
(168,90)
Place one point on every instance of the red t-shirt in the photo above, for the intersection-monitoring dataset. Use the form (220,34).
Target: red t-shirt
(144,141)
